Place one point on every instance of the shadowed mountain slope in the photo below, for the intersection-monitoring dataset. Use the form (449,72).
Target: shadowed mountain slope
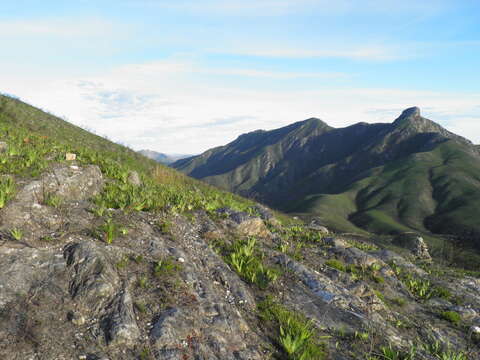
(384,178)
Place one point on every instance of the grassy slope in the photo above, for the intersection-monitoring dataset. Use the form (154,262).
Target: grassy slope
(36,139)
(432,191)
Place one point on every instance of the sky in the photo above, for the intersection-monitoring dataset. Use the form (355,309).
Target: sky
(183,76)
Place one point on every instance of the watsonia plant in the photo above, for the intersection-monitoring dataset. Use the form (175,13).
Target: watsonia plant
(248,265)
(7,190)
(296,335)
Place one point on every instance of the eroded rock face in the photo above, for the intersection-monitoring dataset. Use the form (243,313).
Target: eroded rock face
(94,280)
(122,328)
(29,210)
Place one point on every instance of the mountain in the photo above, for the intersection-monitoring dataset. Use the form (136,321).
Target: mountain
(411,174)
(106,254)
(163,158)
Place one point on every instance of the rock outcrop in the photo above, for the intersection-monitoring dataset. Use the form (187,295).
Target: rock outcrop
(166,288)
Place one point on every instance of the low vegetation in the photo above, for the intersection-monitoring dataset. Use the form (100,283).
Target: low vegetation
(421,288)
(295,334)
(245,260)
(451,316)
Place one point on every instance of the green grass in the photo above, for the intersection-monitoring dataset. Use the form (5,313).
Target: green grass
(245,261)
(421,288)
(36,140)
(143,283)
(7,190)
(443,351)
(109,231)
(336,264)
(167,266)
(362,245)
(53,200)
(451,316)
(16,234)
(294,333)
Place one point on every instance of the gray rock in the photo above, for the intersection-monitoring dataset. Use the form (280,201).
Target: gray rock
(245,224)
(466,313)
(76,318)
(415,244)
(389,256)
(27,210)
(134,178)
(336,242)
(264,212)
(70,156)
(3,147)
(94,280)
(122,327)
(317,225)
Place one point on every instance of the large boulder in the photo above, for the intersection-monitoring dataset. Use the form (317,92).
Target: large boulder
(244,223)
(317,225)
(415,244)
(29,209)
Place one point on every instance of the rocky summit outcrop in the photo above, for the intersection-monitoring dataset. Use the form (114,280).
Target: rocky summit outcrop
(167,286)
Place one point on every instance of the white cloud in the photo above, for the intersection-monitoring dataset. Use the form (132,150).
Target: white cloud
(376,53)
(163,107)
(57,27)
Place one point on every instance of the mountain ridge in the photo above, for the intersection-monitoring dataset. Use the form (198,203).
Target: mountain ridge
(289,167)
(162,157)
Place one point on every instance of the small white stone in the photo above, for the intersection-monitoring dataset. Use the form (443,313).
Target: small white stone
(36,206)
(475,329)
(74,167)
(180,259)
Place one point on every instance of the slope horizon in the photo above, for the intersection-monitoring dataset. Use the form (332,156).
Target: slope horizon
(406,111)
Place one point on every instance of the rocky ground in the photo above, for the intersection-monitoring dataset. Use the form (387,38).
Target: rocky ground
(79,283)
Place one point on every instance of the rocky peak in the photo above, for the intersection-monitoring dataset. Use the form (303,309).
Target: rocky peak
(411,120)
(316,122)
(411,112)
(410,116)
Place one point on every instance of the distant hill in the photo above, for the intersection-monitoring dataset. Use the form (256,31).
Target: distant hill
(163,158)
(411,174)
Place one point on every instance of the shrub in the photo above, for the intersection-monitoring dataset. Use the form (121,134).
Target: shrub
(295,334)
(451,316)
(336,264)
(166,266)
(109,230)
(378,279)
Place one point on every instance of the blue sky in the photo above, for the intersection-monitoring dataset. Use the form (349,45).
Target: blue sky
(183,76)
